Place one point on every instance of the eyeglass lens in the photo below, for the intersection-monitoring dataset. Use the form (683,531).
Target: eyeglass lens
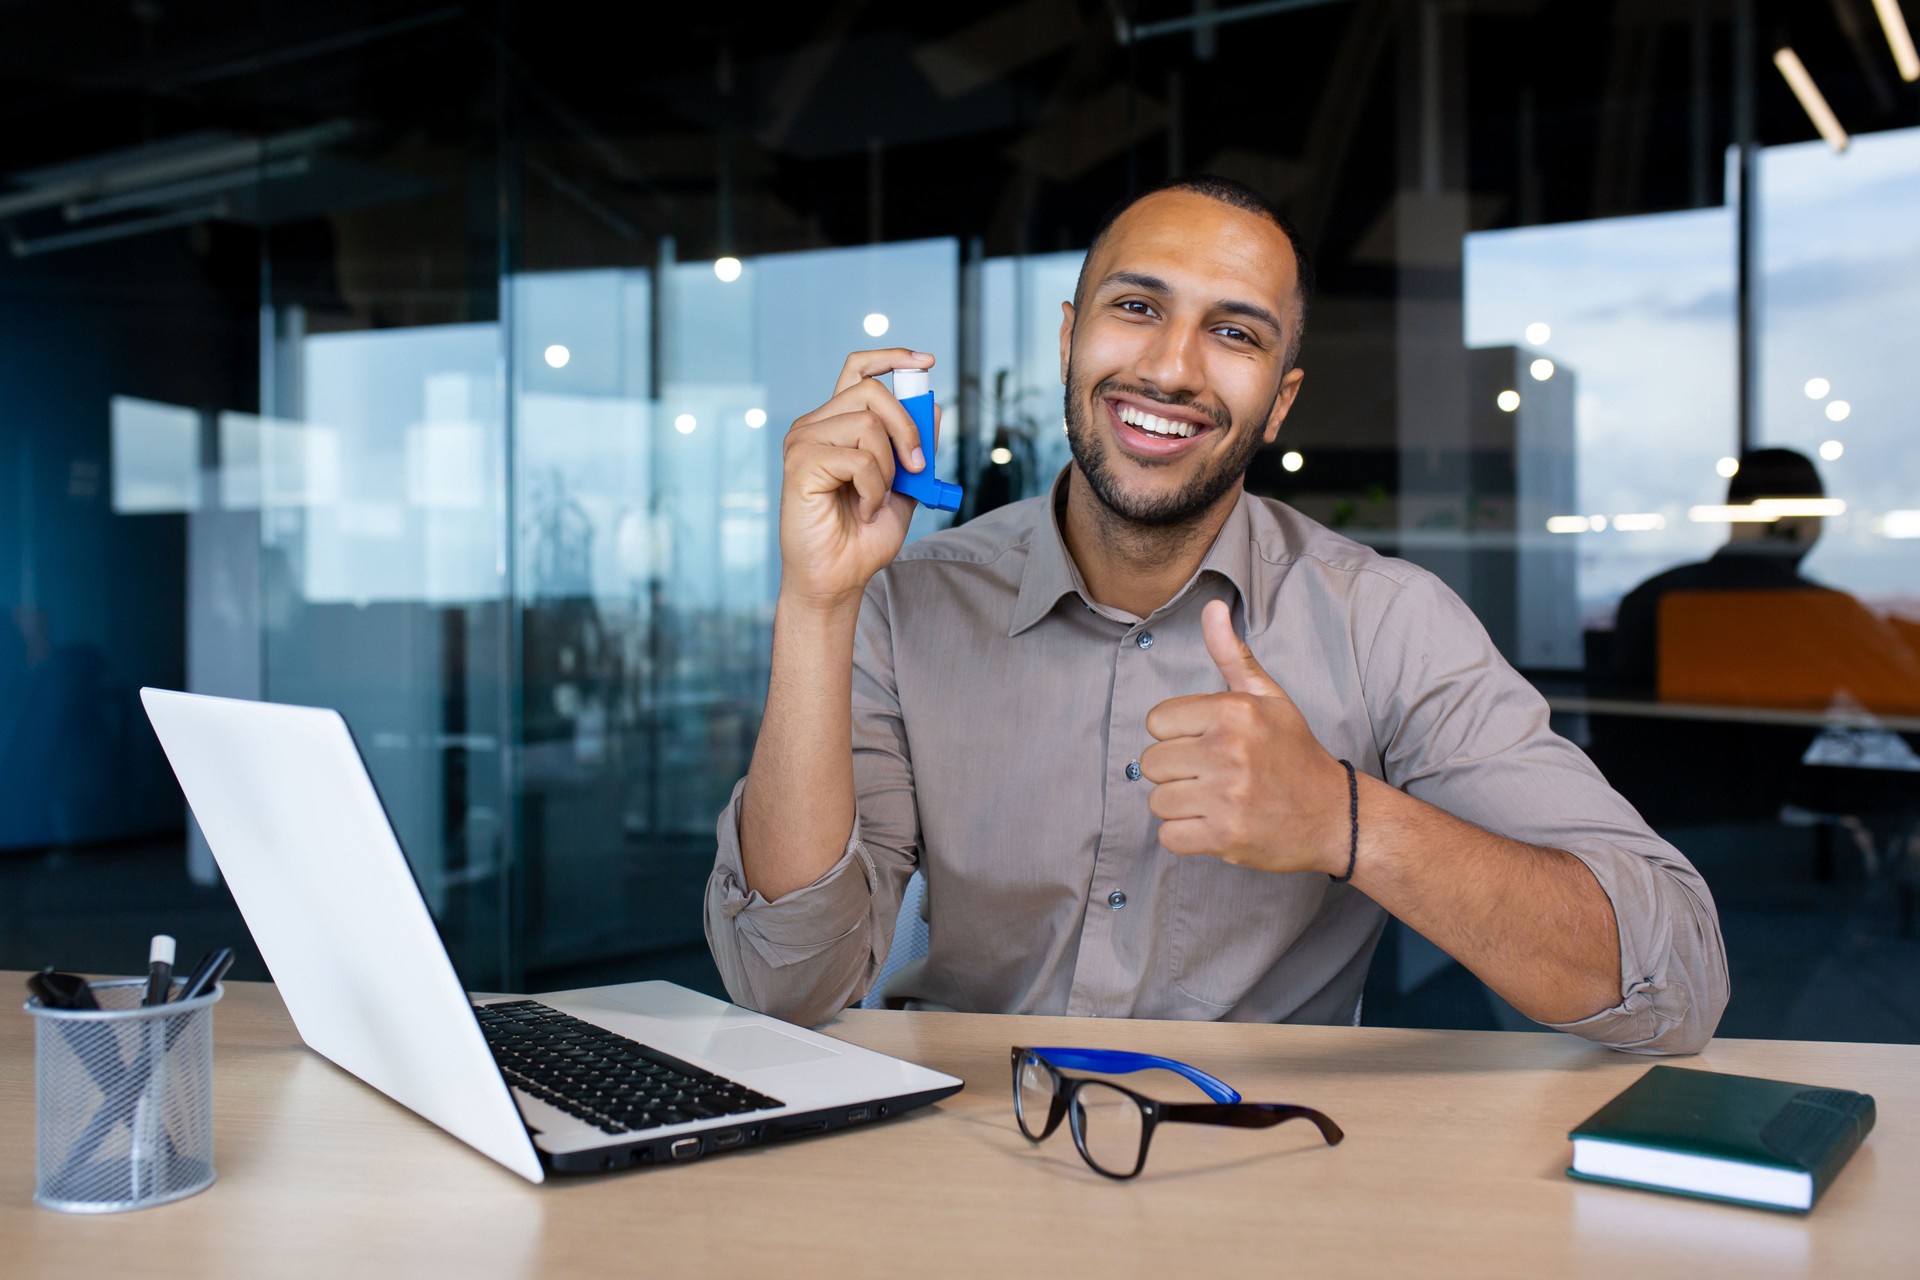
(1032,1095)
(1110,1125)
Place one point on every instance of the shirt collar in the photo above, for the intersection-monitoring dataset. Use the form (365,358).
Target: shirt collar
(1050,572)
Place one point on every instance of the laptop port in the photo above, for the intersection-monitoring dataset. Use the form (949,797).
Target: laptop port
(685,1148)
(803,1126)
(858,1114)
(727,1138)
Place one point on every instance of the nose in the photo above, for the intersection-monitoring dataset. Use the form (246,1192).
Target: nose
(1170,362)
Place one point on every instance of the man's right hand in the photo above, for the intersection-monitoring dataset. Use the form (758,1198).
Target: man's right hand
(840,520)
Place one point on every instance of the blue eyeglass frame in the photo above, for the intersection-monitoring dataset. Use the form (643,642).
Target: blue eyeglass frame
(1225,1109)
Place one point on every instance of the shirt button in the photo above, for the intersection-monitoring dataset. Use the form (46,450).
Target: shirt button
(1133,771)
(1116,899)
(1145,640)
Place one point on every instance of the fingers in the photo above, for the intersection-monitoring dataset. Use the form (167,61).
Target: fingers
(825,468)
(1186,717)
(871,364)
(1230,653)
(857,434)
(1181,758)
(869,397)
(1174,801)
(1188,835)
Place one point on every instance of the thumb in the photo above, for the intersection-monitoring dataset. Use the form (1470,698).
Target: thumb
(1231,655)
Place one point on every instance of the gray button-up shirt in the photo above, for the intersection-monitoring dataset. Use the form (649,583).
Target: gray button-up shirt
(998,713)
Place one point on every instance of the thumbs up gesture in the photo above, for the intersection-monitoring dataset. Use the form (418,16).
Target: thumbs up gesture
(1239,774)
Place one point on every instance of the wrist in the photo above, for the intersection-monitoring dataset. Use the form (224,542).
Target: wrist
(802,604)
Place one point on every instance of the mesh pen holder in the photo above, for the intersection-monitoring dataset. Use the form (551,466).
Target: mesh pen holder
(123,1100)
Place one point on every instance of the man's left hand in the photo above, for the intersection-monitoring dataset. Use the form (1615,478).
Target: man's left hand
(1239,774)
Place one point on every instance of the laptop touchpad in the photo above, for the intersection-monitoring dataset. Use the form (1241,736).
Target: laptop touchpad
(753,1047)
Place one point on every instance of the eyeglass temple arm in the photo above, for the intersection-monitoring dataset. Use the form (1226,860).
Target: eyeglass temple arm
(1119,1062)
(1250,1115)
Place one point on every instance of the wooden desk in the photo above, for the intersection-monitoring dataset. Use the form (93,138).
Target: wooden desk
(1456,1142)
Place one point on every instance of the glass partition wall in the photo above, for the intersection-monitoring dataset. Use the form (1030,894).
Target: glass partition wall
(432,364)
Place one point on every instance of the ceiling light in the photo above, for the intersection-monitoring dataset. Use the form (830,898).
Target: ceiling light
(1566,524)
(756,418)
(557,356)
(1811,99)
(1735,514)
(1728,467)
(875,324)
(685,424)
(1801,506)
(1001,456)
(1837,410)
(1508,400)
(1640,522)
(1541,369)
(727,269)
(1899,524)
(1899,39)
(1831,450)
(1817,388)
(1538,333)
(1292,461)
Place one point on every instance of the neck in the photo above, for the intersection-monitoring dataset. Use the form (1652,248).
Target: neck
(1131,566)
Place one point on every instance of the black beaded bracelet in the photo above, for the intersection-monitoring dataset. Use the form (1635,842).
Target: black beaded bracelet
(1353,817)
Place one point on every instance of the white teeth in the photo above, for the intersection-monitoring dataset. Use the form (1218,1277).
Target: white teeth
(1154,422)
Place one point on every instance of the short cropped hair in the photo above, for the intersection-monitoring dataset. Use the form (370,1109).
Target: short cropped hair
(1240,196)
(1774,473)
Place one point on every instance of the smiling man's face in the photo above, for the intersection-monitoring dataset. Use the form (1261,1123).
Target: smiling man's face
(1175,359)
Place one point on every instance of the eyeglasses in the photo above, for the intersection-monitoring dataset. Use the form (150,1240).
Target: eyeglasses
(1112,1126)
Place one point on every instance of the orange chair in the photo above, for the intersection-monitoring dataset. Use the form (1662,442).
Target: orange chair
(1800,650)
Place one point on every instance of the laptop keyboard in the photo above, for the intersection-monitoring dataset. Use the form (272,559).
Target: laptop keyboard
(605,1079)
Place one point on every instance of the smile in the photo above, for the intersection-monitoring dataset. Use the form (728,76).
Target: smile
(1135,417)
(1151,437)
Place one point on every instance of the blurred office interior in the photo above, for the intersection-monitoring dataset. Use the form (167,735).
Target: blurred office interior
(430,361)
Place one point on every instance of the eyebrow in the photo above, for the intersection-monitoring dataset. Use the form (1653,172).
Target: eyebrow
(1228,306)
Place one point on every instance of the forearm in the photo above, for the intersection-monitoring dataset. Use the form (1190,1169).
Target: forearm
(798,809)
(1532,923)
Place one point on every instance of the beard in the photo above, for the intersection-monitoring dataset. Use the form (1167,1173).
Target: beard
(1093,448)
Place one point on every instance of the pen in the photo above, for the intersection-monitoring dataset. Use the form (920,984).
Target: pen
(207,974)
(159,969)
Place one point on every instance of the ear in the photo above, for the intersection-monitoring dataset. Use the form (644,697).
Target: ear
(1066,339)
(1283,403)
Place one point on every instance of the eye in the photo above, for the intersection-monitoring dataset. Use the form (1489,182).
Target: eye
(1237,335)
(1135,306)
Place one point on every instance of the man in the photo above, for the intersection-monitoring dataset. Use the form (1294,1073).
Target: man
(1759,556)
(1122,807)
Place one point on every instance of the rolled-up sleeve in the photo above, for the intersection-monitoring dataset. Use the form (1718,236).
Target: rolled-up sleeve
(811,953)
(1461,730)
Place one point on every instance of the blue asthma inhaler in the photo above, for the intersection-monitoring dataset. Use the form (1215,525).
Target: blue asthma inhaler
(913,388)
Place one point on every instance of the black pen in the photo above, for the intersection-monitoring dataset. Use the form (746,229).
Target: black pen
(206,975)
(159,969)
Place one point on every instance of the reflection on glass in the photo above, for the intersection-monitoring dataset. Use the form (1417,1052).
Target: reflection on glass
(156,456)
(1643,308)
(381,573)
(1840,291)
(648,552)
(1020,370)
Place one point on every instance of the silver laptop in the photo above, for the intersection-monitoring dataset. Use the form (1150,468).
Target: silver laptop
(573,1082)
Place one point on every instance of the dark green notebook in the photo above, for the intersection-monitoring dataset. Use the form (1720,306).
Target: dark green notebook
(1736,1138)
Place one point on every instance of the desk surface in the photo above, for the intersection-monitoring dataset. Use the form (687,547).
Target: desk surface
(1456,1142)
